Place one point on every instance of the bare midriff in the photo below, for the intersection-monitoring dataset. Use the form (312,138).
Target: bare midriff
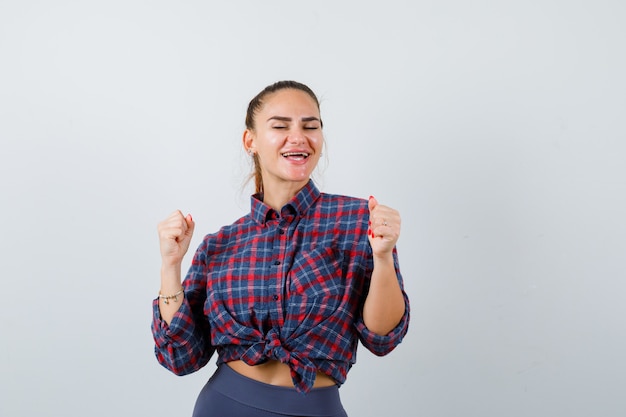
(276,373)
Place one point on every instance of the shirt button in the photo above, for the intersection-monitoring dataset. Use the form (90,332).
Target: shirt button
(275,297)
(281,231)
(276,262)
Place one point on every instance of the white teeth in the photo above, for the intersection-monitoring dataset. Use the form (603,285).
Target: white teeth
(296,154)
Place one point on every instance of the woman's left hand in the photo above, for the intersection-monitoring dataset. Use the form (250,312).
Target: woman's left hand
(384,228)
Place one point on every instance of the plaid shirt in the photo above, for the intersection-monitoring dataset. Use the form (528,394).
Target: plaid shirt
(288,286)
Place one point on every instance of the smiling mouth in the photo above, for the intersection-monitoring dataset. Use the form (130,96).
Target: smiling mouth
(295,155)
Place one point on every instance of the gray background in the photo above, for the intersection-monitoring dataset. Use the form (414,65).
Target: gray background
(496,128)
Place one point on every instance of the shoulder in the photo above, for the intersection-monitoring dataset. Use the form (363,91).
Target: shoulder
(337,210)
(229,234)
(343,202)
(342,198)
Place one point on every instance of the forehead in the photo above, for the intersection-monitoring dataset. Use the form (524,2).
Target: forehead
(289,101)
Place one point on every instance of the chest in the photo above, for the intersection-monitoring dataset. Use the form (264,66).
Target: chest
(286,275)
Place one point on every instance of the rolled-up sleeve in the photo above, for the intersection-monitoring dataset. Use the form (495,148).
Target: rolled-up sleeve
(184,346)
(381,345)
(180,346)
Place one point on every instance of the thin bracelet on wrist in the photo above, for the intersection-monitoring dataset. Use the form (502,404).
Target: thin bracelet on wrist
(166,298)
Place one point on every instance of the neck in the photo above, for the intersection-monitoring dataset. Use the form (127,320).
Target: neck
(277,196)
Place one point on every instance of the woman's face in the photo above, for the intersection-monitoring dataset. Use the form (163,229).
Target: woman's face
(287,138)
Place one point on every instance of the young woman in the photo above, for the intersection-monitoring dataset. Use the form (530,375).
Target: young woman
(285,293)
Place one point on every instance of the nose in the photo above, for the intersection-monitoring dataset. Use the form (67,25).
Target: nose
(297,136)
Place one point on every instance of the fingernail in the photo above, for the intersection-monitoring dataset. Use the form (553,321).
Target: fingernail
(371,197)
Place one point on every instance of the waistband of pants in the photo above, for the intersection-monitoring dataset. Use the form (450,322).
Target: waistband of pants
(317,402)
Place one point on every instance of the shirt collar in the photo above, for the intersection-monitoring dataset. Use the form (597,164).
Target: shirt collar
(300,203)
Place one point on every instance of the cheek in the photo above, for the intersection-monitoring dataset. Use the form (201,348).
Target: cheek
(317,142)
(269,143)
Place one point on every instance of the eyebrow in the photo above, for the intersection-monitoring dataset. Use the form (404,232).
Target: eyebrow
(289,119)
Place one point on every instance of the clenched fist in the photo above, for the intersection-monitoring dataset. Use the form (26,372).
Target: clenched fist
(384,227)
(175,234)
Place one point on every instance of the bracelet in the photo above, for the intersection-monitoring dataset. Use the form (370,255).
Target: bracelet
(166,298)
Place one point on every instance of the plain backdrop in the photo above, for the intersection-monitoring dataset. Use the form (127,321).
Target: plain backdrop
(496,128)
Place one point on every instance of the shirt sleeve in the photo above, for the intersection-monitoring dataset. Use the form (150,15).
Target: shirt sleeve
(381,345)
(184,346)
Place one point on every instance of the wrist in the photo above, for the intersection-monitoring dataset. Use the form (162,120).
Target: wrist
(170,277)
(172,297)
(384,258)
(170,268)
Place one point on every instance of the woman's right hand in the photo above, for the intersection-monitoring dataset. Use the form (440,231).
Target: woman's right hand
(175,234)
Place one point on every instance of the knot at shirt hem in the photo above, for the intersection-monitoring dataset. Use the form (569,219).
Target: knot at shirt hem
(303,371)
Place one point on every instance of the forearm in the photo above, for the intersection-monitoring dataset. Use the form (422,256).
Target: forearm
(170,284)
(384,305)
(181,332)
(183,346)
(175,234)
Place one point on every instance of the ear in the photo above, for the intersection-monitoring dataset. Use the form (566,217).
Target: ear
(248,140)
